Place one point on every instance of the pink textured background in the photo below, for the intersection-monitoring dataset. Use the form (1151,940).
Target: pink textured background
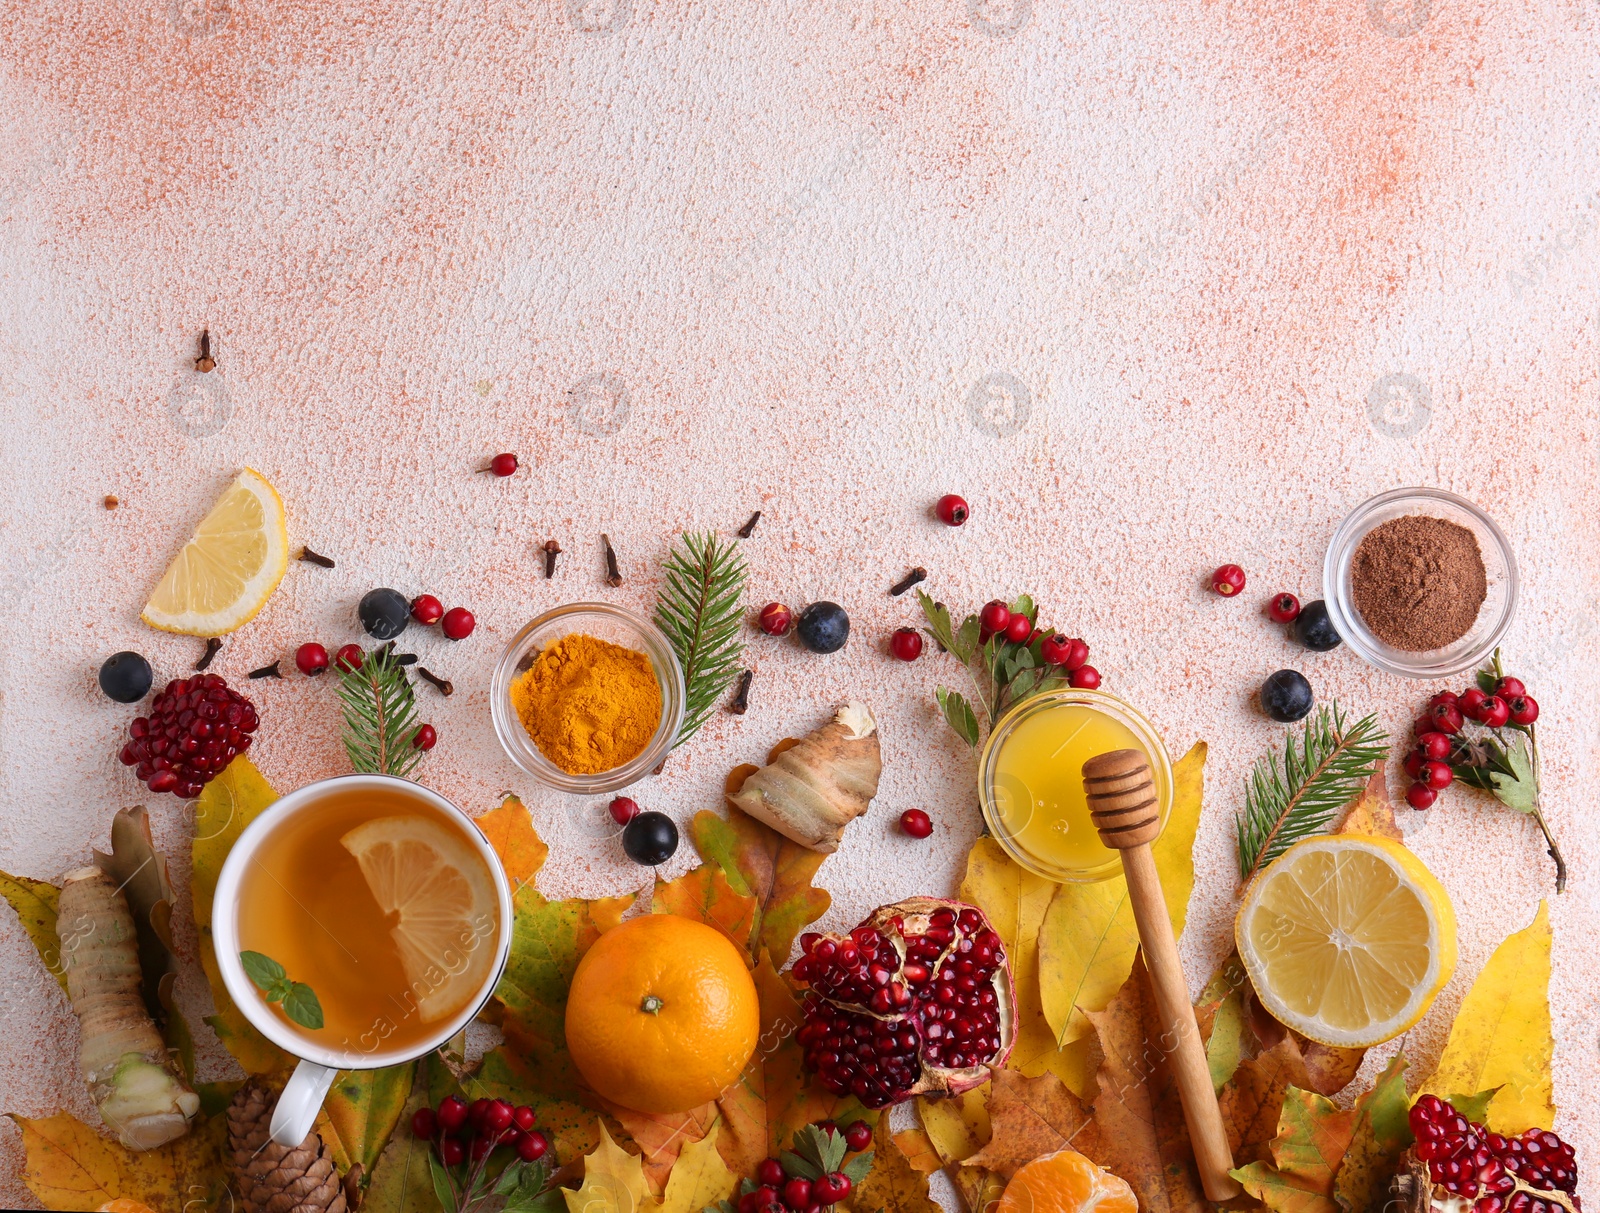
(1199,234)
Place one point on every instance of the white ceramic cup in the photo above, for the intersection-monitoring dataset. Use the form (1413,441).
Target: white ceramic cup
(297,1107)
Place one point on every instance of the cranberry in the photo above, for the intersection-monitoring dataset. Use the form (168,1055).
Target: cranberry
(624,809)
(531,1146)
(311,659)
(1284,608)
(502,465)
(349,658)
(1510,688)
(1413,761)
(1437,775)
(858,1135)
(1085,678)
(1019,629)
(1420,796)
(426,609)
(770,1173)
(775,619)
(1494,712)
(916,823)
(906,644)
(423,1123)
(452,1112)
(995,617)
(1078,655)
(1228,580)
(1524,709)
(1469,704)
(1434,745)
(797,1193)
(1446,717)
(425,738)
(952,510)
(457,623)
(452,1153)
(1055,650)
(523,1119)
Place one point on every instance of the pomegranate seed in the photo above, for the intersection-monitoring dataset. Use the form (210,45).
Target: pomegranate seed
(1228,580)
(426,609)
(502,465)
(906,644)
(425,738)
(1420,796)
(916,823)
(457,623)
(952,510)
(1284,608)
(1085,678)
(623,810)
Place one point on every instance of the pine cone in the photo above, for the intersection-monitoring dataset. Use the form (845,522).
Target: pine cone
(273,1178)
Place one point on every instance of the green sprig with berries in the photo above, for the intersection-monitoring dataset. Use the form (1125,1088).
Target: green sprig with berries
(818,1158)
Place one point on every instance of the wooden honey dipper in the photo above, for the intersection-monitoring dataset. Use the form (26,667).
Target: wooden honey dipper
(1126,811)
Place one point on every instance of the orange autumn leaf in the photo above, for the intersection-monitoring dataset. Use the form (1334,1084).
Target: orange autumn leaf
(1372,812)
(510,832)
(1380,1135)
(893,1185)
(980,1190)
(1329,1068)
(1030,1117)
(1306,1152)
(1252,1099)
(762,863)
(918,1149)
(706,895)
(71,1166)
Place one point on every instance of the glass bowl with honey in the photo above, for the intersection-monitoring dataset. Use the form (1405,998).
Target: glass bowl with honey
(1030,780)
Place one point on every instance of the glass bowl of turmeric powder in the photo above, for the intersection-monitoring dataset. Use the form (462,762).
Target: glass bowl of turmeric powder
(588,698)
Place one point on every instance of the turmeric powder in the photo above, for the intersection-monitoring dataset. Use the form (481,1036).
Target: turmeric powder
(588,704)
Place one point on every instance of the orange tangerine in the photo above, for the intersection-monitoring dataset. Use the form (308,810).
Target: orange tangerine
(1066,1182)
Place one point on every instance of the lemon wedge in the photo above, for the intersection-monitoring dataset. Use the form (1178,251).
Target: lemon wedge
(228,570)
(1347,939)
(444,902)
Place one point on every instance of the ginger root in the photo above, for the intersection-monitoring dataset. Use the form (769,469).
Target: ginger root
(810,792)
(124,1061)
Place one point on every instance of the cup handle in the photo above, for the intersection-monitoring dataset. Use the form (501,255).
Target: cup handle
(300,1102)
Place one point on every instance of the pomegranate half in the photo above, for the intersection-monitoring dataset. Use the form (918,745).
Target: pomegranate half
(917,1000)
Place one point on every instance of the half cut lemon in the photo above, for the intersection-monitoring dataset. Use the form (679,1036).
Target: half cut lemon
(1347,939)
(443,901)
(228,570)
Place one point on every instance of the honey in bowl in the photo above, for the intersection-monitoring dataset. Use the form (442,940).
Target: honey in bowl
(1031,780)
(376,901)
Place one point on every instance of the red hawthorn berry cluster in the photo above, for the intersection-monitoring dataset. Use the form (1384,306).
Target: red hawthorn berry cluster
(1440,743)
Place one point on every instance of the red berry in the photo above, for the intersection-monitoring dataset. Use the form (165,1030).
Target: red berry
(1055,650)
(457,623)
(452,1113)
(995,616)
(1510,688)
(1413,761)
(426,609)
(523,1119)
(916,823)
(1434,745)
(1524,709)
(831,1188)
(482,1147)
(531,1146)
(906,644)
(1019,629)
(452,1153)
(826,1126)
(797,1193)
(952,510)
(349,657)
(425,737)
(770,1173)
(311,659)
(1228,580)
(498,1118)
(775,619)
(1494,712)
(1446,717)
(1284,608)
(766,1194)
(624,809)
(1469,704)
(423,1123)
(858,1136)
(1445,697)
(502,465)
(1437,775)
(1085,678)
(479,1112)
(1420,796)
(748,1202)
(1078,655)
(1423,724)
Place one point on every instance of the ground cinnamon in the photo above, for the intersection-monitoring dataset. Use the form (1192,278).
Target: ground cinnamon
(1419,582)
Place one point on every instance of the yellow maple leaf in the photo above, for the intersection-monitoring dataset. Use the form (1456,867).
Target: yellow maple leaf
(699,1178)
(1088,937)
(1501,1036)
(71,1166)
(959,1127)
(613,1181)
(893,1185)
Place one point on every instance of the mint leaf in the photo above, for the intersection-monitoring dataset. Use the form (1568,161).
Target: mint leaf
(262,969)
(300,1005)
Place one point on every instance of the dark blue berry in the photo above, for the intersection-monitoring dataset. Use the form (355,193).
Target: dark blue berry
(1314,629)
(650,838)
(823,627)
(384,613)
(125,677)
(1286,696)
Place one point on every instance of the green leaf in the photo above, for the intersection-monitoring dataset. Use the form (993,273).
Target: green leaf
(262,969)
(1519,790)
(1022,684)
(442,1187)
(1381,1134)
(938,621)
(698,610)
(1487,681)
(856,1169)
(1024,606)
(1473,1107)
(300,1004)
(795,1165)
(966,644)
(958,712)
(361,1111)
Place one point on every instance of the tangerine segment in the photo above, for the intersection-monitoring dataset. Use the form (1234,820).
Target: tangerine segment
(443,901)
(1347,939)
(229,568)
(662,1014)
(1066,1182)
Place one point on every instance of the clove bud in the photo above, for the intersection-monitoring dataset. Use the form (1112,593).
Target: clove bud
(311,557)
(552,549)
(205,362)
(613,574)
(749,528)
(741,698)
(213,644)
(910,579)
(267,671)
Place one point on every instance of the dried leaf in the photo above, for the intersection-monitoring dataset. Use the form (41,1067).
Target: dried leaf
(71,1166)
(1372,812)
(1030,1117)
(510,832)
(35,903)
(1381,1134)
(959,1127)
(700,1178)
(361,1111)
(918,1149)
(613,1181)
(1329,1068)
(705,895)
(1143,1137)
(1252,1099)
(661,1138)
(763,863)
(980,1190)
(229,803)
(399,1181)
(1311,1141)
(1501,1035)
(1223,1020)
(893,1185)
(1088,938)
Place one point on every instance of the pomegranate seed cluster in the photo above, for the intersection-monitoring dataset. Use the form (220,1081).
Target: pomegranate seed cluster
(1533,1173)
(195,728)
(917,999)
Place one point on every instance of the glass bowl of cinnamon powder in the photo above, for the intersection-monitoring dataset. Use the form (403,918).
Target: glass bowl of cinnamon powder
(1420,582)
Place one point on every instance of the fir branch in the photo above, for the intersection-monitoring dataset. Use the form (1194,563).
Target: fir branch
(698,609)
(380,716)
(1296,798)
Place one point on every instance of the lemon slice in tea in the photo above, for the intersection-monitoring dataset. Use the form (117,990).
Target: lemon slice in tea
(444,903)
(229,568)
(1347,939)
